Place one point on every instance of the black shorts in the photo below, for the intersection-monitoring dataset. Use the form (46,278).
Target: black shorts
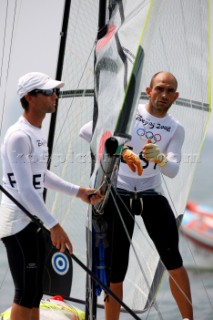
(26,256)
(159,221)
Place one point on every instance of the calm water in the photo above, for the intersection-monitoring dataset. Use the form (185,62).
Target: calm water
(201,282)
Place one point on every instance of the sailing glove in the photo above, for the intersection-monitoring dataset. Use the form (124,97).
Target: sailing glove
(151,152)
(132,160)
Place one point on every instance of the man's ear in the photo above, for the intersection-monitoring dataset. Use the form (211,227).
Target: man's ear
(148,90)
(176,96)
(30,98)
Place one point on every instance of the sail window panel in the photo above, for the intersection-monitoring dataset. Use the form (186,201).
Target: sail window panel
(180,45)
(72,161)
(79,57)
(71,154)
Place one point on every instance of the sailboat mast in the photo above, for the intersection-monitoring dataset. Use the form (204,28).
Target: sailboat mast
(91,298)
(102,30)
(59,70)
(102,27)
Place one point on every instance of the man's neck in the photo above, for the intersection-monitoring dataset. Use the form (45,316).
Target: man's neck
(33,120)
(155,112)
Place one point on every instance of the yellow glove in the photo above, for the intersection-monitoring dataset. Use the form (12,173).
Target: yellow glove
(151,152)
(132,160)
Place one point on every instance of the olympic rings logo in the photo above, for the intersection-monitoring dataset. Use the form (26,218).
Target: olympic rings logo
(145,135)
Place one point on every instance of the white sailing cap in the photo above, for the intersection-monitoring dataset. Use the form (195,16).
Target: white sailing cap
(36,80)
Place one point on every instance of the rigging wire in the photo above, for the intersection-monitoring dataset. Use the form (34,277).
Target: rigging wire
(9,55)
(4,278)
(4,41)
(2,60)
(6,22)
(56,139)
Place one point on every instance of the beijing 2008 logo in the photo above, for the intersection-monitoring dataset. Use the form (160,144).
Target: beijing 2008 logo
(60,263)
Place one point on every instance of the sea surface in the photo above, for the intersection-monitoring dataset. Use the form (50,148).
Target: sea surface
(201,281)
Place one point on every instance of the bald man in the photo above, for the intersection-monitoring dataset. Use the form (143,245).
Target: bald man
(157,140)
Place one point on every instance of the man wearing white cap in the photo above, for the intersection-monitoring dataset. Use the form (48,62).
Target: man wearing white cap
(24,159)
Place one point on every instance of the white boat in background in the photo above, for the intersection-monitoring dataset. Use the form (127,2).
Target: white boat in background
(197,227)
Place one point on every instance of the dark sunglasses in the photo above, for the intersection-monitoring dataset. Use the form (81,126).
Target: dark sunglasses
(48,92)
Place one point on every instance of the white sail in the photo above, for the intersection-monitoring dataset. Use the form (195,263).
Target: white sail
(71,155)
(177,43)
(180,45)
(174,36)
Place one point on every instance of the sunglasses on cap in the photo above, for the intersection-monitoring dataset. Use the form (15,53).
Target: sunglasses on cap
(47,92)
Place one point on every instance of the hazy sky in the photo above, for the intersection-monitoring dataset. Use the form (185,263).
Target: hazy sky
(31,44)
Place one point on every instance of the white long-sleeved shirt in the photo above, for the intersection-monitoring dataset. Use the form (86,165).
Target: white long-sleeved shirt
(24,159)
(166,132)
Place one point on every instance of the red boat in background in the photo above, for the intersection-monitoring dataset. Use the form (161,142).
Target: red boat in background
(197,227)
(200,209)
